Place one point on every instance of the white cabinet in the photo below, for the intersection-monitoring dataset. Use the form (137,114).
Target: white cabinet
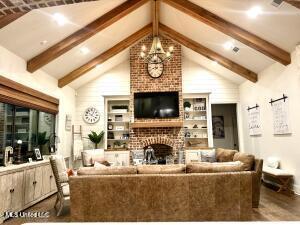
(24,185)
(48,180)
(11,192)
(117,158)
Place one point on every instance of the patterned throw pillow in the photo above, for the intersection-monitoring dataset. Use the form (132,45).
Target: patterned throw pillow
(208,155)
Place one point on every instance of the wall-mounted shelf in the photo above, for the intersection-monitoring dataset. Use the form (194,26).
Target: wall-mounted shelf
(157,124)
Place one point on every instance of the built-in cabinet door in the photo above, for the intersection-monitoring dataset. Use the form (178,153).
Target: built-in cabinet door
(5,193)
(46,179)
(29,185)
(17,191)
(192,156)
(38,189)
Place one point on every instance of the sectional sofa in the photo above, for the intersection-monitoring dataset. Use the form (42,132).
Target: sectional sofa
(226,190)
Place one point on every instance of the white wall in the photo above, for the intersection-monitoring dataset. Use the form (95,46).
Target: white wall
(197,79)
(14,68)
(111,83)
(272,83)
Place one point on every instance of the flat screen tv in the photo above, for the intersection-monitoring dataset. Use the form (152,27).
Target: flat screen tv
(156,105)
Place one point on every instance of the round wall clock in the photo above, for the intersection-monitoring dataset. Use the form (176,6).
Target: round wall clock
(155,67)
(91,115)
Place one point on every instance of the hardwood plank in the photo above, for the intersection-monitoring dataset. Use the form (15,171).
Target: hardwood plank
(195,46)
(83,34)
(156,124)
(232,30)
(127,42)
(295,3)
(7,19)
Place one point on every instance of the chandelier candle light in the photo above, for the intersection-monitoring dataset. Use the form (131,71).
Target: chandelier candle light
(156,55)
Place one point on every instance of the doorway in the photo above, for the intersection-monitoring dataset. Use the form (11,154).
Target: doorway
(224,124)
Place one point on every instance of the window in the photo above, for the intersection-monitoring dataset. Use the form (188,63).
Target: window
(33,127)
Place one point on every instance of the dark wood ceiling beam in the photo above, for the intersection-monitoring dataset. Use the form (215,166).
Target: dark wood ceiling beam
(124,44)
(195,46)
(232,30)
(155,16)
(295,3)
(7,19)
(83,34)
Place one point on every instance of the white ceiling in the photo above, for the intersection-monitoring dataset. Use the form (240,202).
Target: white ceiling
(280,26)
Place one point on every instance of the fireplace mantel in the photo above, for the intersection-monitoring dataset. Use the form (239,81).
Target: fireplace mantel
(152,124)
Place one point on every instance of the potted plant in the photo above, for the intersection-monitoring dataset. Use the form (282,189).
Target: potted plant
(42,141)
(96,138)
(186,106)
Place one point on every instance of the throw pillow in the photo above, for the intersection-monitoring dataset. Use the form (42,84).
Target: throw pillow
(205,167)
(208,155)
(161,169)
(225,155)
(247,160)
(112,170)
(99,165)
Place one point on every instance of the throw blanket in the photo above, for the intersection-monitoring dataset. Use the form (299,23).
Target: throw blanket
(77,149)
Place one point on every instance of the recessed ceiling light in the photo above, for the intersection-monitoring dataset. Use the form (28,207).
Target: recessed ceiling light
(84,50)
(43,42)
(214,63)
(98,66)
(254,12)
(60,19)
(228,45)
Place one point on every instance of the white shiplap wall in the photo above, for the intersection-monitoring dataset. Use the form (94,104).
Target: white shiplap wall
(196,79)
(113,82)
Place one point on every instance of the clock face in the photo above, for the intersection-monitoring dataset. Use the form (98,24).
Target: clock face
(91,115)
(155,67)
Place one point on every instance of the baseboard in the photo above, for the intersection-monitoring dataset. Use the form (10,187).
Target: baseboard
(297,189)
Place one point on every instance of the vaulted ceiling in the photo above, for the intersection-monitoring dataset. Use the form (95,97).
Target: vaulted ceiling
(108,28)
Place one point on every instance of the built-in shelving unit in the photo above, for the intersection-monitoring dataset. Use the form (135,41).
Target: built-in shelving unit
(117,122)
(197,121)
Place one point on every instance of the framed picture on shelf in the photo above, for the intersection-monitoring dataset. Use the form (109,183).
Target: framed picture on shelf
(38,154)
(218,126)
(118,118)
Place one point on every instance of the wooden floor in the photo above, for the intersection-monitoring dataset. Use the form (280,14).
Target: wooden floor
(273,207)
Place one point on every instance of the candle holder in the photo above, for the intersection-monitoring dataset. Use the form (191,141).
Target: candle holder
(18,159)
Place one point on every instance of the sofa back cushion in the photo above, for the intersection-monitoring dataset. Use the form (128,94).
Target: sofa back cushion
(219,167)
(246,159)
(112,170)
(161,169)
(89,157)
(208,155)
(225,155)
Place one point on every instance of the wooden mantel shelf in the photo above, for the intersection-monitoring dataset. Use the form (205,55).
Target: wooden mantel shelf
(157,124)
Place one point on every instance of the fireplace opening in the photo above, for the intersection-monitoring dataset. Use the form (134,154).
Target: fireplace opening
(161,152)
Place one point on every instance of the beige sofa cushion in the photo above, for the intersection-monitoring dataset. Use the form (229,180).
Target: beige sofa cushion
(89,157)
(112,170)
(246,159)
(206,167)
(225,155)
(161,169)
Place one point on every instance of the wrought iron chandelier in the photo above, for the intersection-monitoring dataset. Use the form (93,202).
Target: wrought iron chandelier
(156,53)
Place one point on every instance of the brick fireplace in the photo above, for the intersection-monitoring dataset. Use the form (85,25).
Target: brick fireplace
(164,140)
